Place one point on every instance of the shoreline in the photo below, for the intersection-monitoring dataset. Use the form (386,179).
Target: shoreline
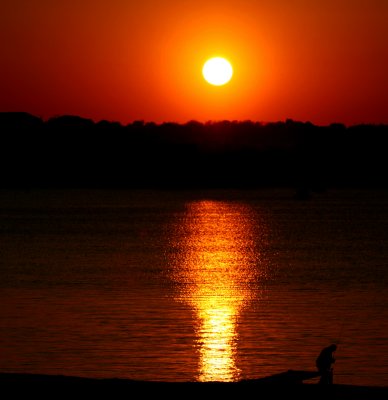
(40,384)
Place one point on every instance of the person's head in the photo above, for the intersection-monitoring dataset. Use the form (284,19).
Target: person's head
(333,347)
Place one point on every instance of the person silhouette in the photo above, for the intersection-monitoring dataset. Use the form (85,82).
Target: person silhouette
(324,364)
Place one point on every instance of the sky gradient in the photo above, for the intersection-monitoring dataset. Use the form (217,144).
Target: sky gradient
(319,61)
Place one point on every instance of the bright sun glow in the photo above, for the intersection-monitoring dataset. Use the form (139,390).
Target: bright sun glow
(217,71)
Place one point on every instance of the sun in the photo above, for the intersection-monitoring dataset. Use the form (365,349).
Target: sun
(217,71)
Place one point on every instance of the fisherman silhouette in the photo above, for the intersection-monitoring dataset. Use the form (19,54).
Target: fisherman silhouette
(324,364)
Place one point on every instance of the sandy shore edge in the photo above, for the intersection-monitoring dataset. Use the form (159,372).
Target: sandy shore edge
(58,384)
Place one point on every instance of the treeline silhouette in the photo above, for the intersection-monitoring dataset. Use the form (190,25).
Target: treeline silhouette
(71,151)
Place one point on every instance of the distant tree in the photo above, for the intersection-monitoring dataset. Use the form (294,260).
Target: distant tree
(69,150)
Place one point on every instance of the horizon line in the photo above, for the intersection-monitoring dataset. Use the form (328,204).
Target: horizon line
(193,120)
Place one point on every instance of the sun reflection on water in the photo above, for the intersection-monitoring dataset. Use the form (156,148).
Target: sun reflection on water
(217,276)
(217,341)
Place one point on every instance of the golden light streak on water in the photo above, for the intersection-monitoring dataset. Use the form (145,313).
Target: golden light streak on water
(216,276)
(217,337)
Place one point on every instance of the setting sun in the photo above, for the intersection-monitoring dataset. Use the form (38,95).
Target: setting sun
(217,71)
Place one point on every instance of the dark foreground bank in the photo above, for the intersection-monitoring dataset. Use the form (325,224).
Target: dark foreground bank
(54,386)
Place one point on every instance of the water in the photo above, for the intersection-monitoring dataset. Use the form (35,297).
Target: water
(193,286)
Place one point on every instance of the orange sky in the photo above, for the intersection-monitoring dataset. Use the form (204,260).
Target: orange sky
(320,61)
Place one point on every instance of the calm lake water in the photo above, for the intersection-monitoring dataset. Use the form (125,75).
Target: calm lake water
(193,286)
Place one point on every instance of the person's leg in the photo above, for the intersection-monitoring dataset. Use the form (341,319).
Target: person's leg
(330,376)
(325,377)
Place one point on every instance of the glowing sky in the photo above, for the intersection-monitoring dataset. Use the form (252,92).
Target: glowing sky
(320,61)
